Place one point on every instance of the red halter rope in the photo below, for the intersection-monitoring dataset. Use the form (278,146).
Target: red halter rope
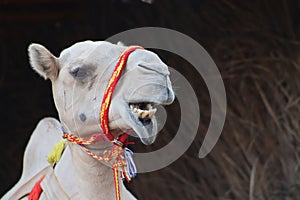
(116,154)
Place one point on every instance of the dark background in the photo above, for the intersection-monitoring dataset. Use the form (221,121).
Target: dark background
(256,47)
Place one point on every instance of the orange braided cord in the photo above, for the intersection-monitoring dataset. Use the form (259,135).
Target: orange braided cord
(115,156)
(77,140)
(116,151)
(126,175)
(110,88)
(116,181)
(100,158)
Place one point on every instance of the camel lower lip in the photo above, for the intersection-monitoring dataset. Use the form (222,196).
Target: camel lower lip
(141,121)
(145,122)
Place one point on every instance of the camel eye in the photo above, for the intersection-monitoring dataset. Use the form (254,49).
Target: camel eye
(74,72)
(79,73)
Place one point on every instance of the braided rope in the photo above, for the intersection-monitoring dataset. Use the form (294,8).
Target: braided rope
(110,88)
(78,140)
(116,181)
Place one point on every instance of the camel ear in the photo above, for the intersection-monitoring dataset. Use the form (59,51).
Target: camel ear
(43,61)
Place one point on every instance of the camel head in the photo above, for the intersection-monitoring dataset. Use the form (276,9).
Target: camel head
(79,78)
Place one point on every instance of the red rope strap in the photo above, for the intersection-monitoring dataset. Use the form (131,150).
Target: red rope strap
(110,89)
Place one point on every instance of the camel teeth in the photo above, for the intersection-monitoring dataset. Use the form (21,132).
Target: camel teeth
(140,113)
(137,112)
(152,112)
(149,106)
(144,113)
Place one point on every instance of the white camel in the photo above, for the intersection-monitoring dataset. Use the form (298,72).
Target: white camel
(79,77)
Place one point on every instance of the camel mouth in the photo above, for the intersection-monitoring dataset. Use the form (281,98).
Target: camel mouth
(142,120)
(143,112)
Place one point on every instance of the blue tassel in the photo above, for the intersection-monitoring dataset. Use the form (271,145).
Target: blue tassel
(131,168)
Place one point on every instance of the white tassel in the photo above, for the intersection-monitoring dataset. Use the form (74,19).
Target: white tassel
(131,168)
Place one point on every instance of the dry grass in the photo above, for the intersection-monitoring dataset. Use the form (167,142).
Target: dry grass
(257,156)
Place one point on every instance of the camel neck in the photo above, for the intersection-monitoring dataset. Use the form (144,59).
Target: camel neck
(94,178)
